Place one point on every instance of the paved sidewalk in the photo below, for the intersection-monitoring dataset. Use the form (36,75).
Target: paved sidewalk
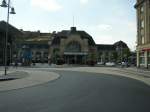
(136,71)
(31,78)
(133,73)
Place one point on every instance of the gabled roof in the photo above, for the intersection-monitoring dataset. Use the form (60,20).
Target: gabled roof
(121,44)
(12,30)
(65,34)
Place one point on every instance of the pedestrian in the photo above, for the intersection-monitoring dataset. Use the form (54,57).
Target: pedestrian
(16,63)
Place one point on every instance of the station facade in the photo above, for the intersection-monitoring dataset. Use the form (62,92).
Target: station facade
(78,47)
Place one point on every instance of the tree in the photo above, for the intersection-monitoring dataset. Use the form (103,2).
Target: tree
(55,55)
(126,54)
(115,56)
(92,58)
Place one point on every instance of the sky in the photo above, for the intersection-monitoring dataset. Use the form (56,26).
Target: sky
(107,21)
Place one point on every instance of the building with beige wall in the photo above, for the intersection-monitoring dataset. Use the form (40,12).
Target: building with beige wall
(143,33)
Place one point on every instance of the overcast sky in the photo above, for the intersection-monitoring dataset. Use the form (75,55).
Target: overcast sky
(107,21)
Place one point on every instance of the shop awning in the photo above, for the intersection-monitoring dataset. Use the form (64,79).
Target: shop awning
(75,53)
(146,49)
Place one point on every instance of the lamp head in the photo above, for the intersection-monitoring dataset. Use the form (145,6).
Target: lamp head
(4,4)
(12,11)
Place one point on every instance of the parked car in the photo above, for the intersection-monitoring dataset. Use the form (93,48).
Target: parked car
(125,64)
(110,64)
(100,63)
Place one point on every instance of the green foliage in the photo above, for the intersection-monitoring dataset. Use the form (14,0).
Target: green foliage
(115,56)
(126,52)
(92,56)
(56,55)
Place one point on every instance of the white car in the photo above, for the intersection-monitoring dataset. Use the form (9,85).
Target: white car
(100,63)
(110,64)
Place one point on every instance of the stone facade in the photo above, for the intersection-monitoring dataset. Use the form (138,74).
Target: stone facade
(78,47)
(143,33)
(68,46)
(117,52)
(32,47)
(72,46)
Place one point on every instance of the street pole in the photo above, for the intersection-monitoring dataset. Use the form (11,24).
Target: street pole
(4,4)
(6,39)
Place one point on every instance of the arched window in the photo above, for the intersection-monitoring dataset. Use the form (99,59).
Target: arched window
(73,47)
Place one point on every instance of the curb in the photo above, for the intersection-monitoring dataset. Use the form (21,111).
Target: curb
(32,80)
(113,71)
(13,76)
(134,73)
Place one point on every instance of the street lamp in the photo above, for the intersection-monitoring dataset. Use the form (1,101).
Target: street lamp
(7,5)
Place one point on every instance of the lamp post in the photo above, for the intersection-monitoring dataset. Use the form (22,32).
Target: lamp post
(7,5)
(121,53)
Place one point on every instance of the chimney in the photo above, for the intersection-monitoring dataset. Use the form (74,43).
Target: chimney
(73,29)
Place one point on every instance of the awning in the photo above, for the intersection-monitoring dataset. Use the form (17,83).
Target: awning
(75,53)
(146,49)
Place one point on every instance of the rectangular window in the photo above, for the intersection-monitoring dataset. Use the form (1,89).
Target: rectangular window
(142,32)
(142,23)
(143,40)
(142,54)
(142,58)
(142,12)
(142,9)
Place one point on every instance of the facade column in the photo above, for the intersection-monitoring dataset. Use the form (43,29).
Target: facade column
(34,55)
(42,56)
(109,57)
(74,59)
(146,59)
(101,58)
(104,57)
(138,59)
(19,55)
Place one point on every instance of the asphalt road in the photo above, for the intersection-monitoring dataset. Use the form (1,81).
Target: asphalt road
(80,92)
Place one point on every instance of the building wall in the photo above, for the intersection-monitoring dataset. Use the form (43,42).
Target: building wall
(65,42)
(10,48)
(75,38)
(35,44)
(33,53)
(117,52)
(104,56)
(143,33)
(2,41)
